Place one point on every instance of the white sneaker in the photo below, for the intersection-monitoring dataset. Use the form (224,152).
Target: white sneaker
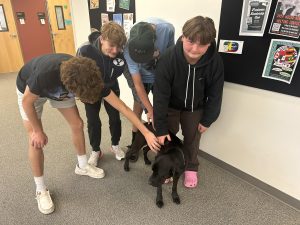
(119,153)
(90,171)
(45,203)
(94,158)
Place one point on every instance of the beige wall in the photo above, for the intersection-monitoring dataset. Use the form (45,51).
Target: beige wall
(258,131)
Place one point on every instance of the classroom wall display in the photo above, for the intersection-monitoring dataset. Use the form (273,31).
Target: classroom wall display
(120,11)
(248,68)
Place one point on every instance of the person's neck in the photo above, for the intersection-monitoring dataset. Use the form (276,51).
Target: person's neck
(191,61)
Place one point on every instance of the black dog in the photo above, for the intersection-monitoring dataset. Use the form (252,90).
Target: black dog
(169,162)
(138,143)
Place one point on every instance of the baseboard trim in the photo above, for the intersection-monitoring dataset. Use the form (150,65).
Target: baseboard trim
(285,198)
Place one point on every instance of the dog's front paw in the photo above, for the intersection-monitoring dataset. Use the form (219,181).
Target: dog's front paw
(176,200)
(126,166)
(159,203)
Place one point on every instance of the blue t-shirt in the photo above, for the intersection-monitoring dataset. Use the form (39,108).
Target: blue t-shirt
(164,39)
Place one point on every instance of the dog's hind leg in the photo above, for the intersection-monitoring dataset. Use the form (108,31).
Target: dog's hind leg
(126,163)
(175,195)
(145,151)
(138,143)
(159,197)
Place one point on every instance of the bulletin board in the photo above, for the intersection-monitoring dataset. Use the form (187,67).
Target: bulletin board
(247,68)
(95,13)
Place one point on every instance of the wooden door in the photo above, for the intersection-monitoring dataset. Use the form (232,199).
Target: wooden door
(11,59)
(33,28)
(61,26)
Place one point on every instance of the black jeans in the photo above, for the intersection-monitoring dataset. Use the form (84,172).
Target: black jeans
(94,123)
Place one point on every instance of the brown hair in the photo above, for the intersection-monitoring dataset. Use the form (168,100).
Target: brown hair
(81,76)
(114,33)
(200,29)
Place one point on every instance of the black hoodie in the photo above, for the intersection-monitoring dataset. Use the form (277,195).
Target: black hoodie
(182,86)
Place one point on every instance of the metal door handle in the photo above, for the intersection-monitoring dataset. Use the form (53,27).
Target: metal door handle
(13,35)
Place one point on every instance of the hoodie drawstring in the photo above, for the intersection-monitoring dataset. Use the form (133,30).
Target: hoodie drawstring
(187,85)
(193,89)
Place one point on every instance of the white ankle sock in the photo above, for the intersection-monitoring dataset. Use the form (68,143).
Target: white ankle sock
(82,161)
(115,147)
(40,183)
(96,154)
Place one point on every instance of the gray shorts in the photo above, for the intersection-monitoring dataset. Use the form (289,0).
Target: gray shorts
(39,104)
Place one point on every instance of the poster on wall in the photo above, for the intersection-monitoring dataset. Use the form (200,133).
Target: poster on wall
(104,18)
(94,4)
(282,59)
(254,17)
(127,22)
(231,46)
(286,19)
(110,5)
(124,4)
(117,17)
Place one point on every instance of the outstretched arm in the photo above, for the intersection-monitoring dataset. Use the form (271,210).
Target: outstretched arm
(141,92)
(118,104)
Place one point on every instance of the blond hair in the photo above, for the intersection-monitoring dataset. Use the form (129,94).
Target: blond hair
(114,33)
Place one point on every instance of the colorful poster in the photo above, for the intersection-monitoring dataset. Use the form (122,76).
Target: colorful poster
(127,22)
(286,19)
(117,18)
(282,60)
(104,18)
(124,4)
(110,5)
(94,4)
(230,46)
(254,17)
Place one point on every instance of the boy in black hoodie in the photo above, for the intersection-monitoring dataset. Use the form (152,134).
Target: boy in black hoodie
(106,49)
(188,89)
